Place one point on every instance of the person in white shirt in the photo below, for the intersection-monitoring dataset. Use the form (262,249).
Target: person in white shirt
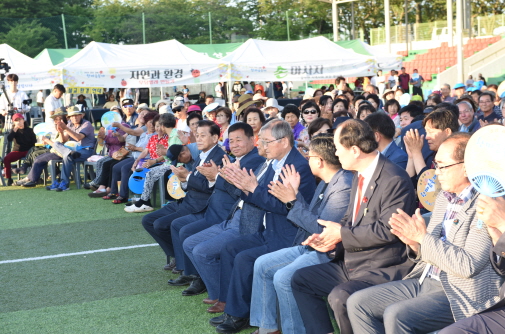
(53,102)
(40,98)
(218,91)
(16,97)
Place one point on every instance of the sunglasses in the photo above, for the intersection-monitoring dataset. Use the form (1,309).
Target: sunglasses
(127,105)
(310,111)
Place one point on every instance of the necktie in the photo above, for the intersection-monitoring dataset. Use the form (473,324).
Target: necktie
(360,190)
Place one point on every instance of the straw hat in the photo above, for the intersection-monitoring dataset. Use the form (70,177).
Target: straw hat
(244,101)
(72,111)
(59,112)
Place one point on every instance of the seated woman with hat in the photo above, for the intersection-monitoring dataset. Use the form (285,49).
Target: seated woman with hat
(114,140)
(25,139)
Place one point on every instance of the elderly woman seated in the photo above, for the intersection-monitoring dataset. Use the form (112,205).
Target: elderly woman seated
(114,140)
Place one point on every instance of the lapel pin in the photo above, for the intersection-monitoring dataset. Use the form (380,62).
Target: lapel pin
(321,196)
(480,223)
(456,221)
(365,199)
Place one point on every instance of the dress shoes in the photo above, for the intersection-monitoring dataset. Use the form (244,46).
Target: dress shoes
(218,307)
(176,271)
(181,280)
(233,325)
(197,287)
(170,265)
(218,320)
(210,301)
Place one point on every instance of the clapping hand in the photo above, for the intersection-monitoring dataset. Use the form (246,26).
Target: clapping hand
(282,191)
(181,172)
(410,230)
(183,137)
(328,239)
(241,178)
(161,150)
(228,164)
(413,142)
(291,176)
(209,170)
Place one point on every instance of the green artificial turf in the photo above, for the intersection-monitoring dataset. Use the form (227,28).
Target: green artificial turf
(122,291)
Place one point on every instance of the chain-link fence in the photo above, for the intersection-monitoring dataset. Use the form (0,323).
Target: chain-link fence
(437,30)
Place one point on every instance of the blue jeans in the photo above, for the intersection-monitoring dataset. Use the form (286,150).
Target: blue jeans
(272,282)
(204,251)
(39,164)
(68,161)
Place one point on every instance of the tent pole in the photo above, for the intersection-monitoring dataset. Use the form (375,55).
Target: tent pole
(150,96)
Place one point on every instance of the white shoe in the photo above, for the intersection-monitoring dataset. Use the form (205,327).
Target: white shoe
(143,208)
(130,209)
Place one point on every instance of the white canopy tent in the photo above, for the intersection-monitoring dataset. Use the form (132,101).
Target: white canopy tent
(385,61)
(27,69)
(167,63)
(303,60)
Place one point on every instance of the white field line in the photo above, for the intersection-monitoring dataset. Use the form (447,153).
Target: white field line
(78,253)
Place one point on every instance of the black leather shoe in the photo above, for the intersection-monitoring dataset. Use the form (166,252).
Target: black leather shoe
(176,271)
(29,184)
(181,280)
(197,287)
(218,320)
(233,325)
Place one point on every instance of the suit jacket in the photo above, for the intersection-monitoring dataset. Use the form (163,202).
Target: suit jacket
(370,251)
(397,155)
(279,232)
(197,190)
(330,202)
(467,275)
(499,264)
(225,195)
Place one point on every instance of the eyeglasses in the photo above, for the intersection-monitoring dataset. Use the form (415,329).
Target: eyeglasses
(489,101)
(128,106)
(310,111)
(440,168)
(265,143)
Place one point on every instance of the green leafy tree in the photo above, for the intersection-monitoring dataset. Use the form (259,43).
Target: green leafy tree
(29,37)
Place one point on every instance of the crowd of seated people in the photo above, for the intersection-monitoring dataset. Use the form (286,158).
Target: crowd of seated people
(296,215)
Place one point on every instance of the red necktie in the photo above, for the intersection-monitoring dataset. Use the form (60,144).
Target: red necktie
(360,190)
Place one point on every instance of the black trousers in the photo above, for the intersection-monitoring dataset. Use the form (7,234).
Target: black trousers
(311,284)
(106,176)
(490,322)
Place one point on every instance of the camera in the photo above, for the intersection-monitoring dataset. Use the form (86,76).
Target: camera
(5,67)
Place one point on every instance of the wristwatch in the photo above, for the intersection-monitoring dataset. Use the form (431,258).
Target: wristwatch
(290,204)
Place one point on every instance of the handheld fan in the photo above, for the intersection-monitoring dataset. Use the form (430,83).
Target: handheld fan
(485,161)
(108,118)
(43,129)
(428,188)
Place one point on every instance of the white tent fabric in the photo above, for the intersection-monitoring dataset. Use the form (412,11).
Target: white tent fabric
(308,59)
(385,61)
(24,67)
(167,63)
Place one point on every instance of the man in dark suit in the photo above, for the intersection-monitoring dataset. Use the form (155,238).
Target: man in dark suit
(224,196)
(366,253)
(238,256)
(492,212)
(384,130)
(273,271)
(157,223)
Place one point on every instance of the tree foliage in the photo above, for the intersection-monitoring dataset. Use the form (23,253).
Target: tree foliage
(120,21)
(30,37)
